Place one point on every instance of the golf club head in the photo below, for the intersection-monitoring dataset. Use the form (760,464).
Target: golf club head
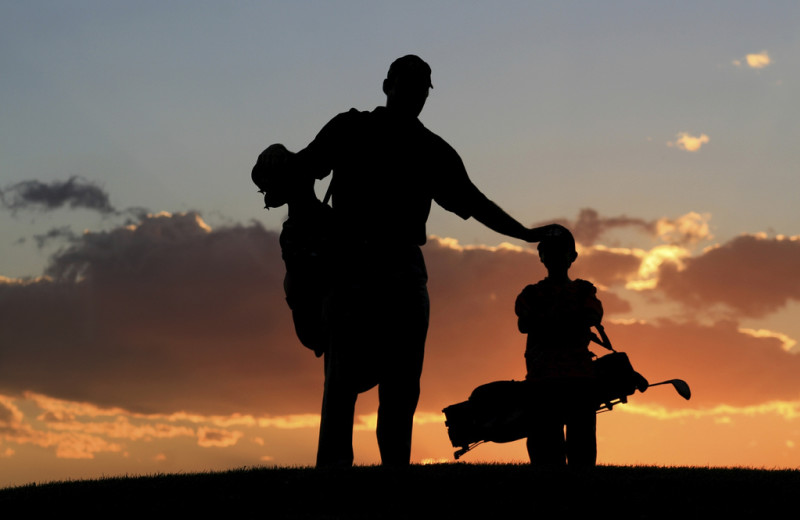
(681,386)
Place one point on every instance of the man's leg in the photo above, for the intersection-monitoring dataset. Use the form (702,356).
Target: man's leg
(398,402)
(398,391)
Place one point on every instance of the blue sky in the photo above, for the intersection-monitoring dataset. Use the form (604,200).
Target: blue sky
(553,107)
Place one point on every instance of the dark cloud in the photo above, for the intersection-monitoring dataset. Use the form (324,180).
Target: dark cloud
(162,316)
(168,315)
(75,192)
(754,275)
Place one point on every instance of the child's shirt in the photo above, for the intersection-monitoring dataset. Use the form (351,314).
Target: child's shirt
(558,320)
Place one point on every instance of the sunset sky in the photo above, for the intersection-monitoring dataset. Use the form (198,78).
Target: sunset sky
(142,322)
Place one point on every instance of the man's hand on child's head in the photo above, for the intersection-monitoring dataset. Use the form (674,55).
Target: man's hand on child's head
(549,230)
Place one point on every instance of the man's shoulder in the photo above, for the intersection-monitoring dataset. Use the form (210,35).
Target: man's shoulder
(435,139)
(351,116)
(342,124)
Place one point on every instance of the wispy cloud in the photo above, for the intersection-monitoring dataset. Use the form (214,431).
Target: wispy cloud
(789,410)
(75,192)
(688,142)
(80,430)
(590,226)
(787,342)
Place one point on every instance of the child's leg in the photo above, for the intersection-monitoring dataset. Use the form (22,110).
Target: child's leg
(582,440)
(546,444)
(581,426)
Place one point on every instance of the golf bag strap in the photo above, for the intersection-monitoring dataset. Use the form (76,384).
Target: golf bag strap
(329,192)
(603,341)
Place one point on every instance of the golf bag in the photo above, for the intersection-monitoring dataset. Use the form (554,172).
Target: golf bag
(305,251)
(503,411)
(305,245)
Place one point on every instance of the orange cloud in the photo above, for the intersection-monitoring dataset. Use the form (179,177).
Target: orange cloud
(687,229)
(755,60)
(758,60)
(106,358)
(688,142)
(80,430)
(68,445)
(169,331)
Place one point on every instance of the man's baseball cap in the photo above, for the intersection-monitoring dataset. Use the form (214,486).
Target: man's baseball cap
(410,65)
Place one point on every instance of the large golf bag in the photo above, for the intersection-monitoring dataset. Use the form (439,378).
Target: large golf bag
(305,248)
(503,411)
(305,244)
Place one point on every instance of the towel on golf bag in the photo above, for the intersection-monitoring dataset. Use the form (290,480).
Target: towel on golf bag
(502,411)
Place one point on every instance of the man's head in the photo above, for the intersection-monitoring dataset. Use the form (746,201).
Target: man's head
(406,85)
(558,252)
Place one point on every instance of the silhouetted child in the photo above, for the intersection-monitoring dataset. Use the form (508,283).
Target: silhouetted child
(557,314)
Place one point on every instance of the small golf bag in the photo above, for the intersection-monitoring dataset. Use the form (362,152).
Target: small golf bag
(503,411)
(616,380)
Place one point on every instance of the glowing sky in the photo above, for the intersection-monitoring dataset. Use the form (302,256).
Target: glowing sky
(142,321)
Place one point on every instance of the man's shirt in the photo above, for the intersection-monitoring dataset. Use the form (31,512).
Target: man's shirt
(386,172)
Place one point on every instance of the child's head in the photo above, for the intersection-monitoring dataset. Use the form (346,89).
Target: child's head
(558,252)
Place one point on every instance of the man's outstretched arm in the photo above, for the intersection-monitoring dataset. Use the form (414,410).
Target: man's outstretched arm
(492,216)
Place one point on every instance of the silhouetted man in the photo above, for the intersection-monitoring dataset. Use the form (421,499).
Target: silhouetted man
(387,168)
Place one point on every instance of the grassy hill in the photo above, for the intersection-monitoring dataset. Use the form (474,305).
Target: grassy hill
(437,491)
